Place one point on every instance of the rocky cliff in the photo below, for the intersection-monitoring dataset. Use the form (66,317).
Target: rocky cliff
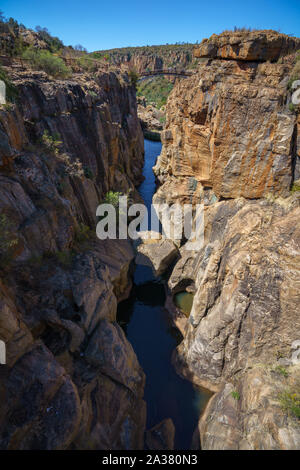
(152,58)
(229,133)
(71,380)
(231,142)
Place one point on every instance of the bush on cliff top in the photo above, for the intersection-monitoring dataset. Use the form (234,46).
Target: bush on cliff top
(49,63)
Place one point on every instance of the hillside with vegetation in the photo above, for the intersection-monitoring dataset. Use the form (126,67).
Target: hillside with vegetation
(155,90)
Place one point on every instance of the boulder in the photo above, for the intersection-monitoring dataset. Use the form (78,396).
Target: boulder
(159,253)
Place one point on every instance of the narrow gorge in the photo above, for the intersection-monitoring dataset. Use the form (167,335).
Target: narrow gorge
(149,344)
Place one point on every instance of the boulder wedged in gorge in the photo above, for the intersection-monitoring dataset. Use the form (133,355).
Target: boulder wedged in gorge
(156,251)
(244,322)
(247,45)
(228,133)
(72,380)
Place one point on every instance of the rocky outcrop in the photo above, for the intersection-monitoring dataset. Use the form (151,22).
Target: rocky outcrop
(151,119)
(161,436)
(247,45)
(229,133)
(72,380)
(244,321)
(48,188)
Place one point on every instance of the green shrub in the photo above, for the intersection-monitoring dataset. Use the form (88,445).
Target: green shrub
(235,394)
(49,63)
(8,241)
(292,107)
(72,167)
(290,402)
(281,370)
(64,258)
(96,55)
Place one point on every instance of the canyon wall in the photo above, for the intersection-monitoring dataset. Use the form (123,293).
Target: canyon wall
(72,380)
(231,142)
(152,58)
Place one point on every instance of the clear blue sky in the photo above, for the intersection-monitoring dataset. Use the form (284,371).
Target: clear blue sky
(121,23)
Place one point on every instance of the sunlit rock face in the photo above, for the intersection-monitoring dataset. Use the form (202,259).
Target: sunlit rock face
(242,329)
(229,131)
(72,380)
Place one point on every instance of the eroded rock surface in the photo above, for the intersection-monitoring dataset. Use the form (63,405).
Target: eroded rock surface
(155,251)
(151,118)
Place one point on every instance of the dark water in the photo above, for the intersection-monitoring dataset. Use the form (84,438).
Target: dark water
(153,338)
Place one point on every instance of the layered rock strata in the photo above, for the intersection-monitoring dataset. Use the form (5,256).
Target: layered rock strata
(72,380)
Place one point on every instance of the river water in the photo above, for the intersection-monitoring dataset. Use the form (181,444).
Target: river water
(148,328)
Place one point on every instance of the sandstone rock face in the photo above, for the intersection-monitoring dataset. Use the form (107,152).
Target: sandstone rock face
(228,133)
(245,45)
(46,195)
(245,317)
(72,380)
(161,436)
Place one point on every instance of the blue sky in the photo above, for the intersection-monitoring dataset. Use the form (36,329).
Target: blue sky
(114,23)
